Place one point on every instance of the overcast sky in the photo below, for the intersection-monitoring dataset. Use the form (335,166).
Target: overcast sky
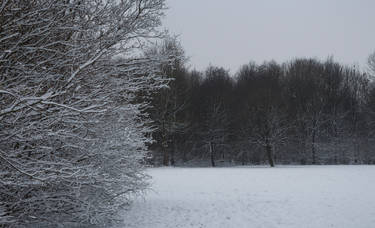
(230,33)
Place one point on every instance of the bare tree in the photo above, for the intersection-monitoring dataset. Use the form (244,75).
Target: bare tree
(168,102)
(268,131)
(213,127)
(263,106)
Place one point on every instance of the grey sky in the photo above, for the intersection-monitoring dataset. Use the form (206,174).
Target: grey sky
(230,33)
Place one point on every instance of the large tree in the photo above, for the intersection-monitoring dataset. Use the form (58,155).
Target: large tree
(263,107)
(213,116)
(169,102)
(71,134)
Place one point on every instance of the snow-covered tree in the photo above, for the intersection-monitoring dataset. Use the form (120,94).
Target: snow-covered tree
(72,136)
(169,102)
(371,63)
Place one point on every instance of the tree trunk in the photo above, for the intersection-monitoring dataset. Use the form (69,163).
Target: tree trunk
(212,154)
(313,154)
(270,155)
(173,152)
(243,158)
(165,151)
(165,156)
(164,144)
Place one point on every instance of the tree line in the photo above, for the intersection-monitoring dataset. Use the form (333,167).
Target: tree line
(305,111)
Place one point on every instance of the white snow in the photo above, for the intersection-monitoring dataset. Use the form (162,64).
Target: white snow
(252,197)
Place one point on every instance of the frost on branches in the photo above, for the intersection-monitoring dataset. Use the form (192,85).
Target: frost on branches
(72,135)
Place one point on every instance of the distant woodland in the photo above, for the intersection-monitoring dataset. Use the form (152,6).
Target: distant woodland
(304,111)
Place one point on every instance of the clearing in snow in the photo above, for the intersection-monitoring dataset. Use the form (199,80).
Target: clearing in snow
(252,197)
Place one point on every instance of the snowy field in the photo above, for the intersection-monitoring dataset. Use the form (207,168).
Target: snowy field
(286,196)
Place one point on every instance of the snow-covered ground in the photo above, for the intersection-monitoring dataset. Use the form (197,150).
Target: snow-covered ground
(286,196)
